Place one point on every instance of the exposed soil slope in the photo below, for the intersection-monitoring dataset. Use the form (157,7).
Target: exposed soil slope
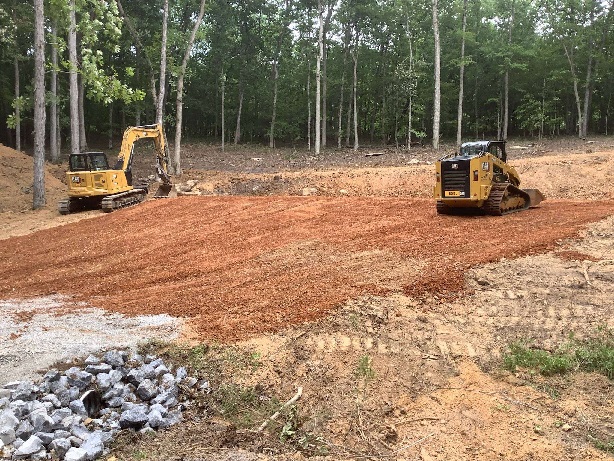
(243,266)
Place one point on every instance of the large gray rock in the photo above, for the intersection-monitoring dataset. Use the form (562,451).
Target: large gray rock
(104,381)
(92,360)
(78,408)
(79,430)
(52,375)
(24,391)
(4,403)
(155,419)
(20,408)
(73,393)
(148,371)
(134,418)
(135,376)
(5,393)
(46,437)
(7,435)
(161,370)
(24,430)
(12,385)
(59,384)
(94,445)
(75,454)
(60,447)
(114,358)
(63,396)
(115,402)
(52,399)
(147,390)
(59,414)
(181,373)
(8,419)
(157,407)
(61,434)
(116,391)
(117,375)
(99,368)
(41,421)
(78,378)
(30,447)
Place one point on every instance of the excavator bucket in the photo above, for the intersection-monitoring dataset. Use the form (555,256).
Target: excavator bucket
(536,196)
(166,191)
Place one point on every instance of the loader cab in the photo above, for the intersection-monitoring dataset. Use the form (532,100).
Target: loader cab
(88,161)
(478,148)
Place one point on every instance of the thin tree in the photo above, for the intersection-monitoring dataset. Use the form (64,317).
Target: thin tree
(461,86)
(506,84)
(181,77)
(346,48)
(17,106)
(54,122)
(355,88)
(82,137)
(319,78)
(74,84)
(437,95)
(223,80)
(329,14)
(39,106)
(160,105)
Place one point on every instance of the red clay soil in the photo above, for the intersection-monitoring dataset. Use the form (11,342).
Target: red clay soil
(240,266)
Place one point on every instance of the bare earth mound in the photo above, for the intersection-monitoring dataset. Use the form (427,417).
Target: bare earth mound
(242,266)
(16,176)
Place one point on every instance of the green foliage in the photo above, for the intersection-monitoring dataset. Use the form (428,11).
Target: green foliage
(364,370)
(595,354)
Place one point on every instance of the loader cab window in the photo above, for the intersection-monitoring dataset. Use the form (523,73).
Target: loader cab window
(473,149)
(91,161)
(497,151)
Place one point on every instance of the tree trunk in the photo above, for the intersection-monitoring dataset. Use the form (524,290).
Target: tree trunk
(355,92)
(506,96)
(82,138)
(346,49)
(348,124)
(308,105)
(180,83)
(569,54)
(160,106)
(17,108)
(74,84)
(223,78)
(461,86)
(324,77)
(110,144)
(238,128)
(54,122)
(38,199)
(319,79)
(274,114)
(437,95)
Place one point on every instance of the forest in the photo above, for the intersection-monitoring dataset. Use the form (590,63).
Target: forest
(307,73)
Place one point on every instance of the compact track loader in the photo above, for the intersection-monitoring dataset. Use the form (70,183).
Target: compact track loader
(479,178)
(92,184)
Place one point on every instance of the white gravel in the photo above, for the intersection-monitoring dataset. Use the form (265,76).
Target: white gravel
(37,333)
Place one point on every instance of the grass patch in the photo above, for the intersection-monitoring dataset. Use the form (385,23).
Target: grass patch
(594,354)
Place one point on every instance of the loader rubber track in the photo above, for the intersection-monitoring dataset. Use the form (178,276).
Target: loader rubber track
(505,198)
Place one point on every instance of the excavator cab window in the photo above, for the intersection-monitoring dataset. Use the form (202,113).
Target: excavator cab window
(497,151)
(91,161)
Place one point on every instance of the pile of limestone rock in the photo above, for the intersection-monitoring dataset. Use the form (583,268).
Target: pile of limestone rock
(75,414)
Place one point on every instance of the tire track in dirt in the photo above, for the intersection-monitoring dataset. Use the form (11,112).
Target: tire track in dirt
(242,266)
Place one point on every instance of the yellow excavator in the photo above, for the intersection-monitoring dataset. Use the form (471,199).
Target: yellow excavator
(478,178)
(92,184)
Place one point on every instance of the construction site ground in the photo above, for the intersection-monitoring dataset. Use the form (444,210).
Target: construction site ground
(336,275)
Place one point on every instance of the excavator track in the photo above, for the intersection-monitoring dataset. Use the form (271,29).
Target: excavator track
(123,199)
(505,198)
(73,204)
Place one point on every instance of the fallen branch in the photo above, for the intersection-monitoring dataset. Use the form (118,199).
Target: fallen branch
(273,417)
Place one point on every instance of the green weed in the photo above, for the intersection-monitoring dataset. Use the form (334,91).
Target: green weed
(595,354)
(364,370)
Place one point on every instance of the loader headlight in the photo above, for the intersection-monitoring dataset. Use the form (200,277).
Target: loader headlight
(475,175)
(485,166)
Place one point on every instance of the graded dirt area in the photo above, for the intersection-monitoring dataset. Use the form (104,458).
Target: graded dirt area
(393,319)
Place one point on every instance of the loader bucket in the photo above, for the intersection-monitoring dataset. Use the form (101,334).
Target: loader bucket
(536,196)
(165,191)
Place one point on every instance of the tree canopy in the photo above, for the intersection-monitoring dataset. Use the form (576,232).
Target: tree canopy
(261,55)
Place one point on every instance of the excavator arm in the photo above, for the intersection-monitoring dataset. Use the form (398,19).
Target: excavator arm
(132,135)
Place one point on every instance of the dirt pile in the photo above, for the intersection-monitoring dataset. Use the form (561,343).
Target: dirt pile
(242,266)
(16,174)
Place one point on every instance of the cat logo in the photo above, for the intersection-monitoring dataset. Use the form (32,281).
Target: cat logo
(455,166)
